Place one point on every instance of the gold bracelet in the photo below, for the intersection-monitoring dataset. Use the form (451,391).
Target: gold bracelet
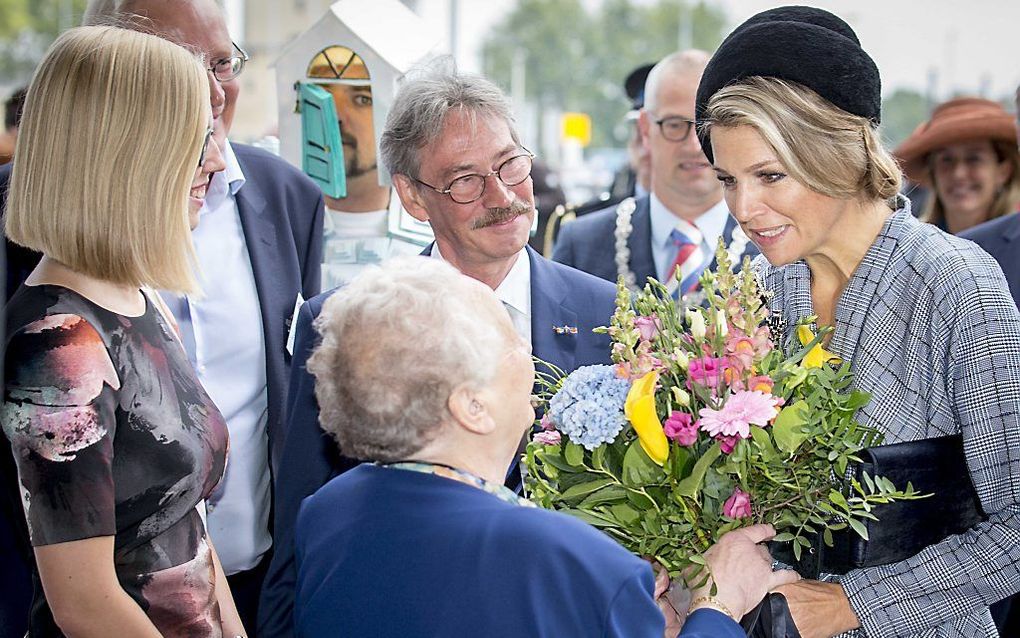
(711,601)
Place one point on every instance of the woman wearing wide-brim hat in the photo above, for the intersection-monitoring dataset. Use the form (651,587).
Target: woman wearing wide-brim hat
(967,154)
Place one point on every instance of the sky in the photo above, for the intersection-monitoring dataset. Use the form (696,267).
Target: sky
(954,46)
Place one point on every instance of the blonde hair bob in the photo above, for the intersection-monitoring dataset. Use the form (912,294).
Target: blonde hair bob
(108,147)
(827,149)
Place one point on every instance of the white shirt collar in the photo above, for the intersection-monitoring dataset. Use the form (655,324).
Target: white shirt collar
(515,289)
(224,183)
(711,223)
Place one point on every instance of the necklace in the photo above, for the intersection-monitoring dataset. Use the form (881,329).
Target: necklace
(624,228)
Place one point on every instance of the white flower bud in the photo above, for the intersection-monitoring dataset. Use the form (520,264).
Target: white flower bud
(681,358)
(697,323)
(721,325)
(681,397)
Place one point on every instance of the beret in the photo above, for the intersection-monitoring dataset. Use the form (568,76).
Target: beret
(806,45)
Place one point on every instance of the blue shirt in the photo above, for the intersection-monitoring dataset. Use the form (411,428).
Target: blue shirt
(422,555)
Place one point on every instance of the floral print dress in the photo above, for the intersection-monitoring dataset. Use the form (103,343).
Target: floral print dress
(113,435)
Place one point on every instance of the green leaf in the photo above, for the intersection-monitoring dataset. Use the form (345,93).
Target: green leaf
(762,439)
(596,520)
(638,469)
(605,495)
(783,537)
(789,427)
(859,527)
(625,513)
(573,454)
(598,458)
(692,483)
(584,489)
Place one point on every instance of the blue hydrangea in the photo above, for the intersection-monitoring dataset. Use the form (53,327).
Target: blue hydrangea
(589,407)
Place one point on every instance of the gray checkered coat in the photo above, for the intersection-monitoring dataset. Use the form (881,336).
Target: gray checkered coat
(933,335)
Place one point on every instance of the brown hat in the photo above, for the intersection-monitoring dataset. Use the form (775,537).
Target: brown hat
(958,120)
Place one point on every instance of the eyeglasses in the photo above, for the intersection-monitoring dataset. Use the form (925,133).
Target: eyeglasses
(205,146)
(468,188)
(226,69)
(675,128)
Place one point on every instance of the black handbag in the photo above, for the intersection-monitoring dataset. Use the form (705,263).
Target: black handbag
(933,466)
(770,619)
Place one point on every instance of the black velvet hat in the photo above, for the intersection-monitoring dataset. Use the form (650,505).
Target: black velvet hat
(806,45)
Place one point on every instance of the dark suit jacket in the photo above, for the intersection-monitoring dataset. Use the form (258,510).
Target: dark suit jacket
(589,243)
(560,296)
(1001,239)
(443,558)
(281,213)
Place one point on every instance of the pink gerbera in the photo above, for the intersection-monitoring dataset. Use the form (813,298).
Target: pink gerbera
(740,412)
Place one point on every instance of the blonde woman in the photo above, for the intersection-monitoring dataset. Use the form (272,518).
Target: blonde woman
(788,111)
(115,441)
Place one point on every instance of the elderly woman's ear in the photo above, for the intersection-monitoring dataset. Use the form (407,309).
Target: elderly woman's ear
(471,410)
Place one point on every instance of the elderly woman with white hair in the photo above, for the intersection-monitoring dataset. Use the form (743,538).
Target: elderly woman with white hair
(421,371)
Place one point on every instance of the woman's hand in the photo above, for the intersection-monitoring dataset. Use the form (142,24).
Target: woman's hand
(665,598)
(742,571)
(820,610)
(84,594)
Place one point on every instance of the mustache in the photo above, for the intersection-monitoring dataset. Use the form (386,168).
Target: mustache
(500,215)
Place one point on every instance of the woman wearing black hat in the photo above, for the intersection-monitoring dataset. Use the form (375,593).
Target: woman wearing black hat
(788,111)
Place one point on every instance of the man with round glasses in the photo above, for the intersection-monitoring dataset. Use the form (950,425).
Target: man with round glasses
(457,162)
(679,224)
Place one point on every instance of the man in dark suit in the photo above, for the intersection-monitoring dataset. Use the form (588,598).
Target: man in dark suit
(259,246)
(465,172)
(681,221)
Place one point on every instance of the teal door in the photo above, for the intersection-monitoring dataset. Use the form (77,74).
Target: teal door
(322,154)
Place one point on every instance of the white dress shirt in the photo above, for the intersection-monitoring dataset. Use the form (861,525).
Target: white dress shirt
(351,241)
(222,332)
(711,223)
(514,291)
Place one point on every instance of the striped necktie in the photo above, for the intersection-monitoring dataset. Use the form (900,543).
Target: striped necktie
(693,257)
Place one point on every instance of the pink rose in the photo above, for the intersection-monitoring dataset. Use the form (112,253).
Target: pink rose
(547,423)
(706,371)
(727,443)
(738,505)
(548,437)
(681,428)
(647,327)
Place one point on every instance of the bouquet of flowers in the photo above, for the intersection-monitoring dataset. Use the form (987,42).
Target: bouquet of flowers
(704,425)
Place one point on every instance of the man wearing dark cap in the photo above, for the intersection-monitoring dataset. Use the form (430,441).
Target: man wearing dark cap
(681,221)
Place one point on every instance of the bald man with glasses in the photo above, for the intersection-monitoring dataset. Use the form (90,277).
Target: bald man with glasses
(678,224)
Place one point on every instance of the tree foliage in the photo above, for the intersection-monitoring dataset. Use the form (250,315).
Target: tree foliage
(576,59)
(27,27)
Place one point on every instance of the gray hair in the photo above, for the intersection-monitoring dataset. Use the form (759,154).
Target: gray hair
(421,105)
(122,13)
(692,61)
(396,342)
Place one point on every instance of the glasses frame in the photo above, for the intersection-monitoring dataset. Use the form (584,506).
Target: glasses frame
(205,146)
(687,133)
(244,57)
(448,191)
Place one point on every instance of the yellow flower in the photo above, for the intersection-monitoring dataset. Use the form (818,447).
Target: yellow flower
(640,410)
(818,355)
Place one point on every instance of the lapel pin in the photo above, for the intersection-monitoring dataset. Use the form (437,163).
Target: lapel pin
(565,330)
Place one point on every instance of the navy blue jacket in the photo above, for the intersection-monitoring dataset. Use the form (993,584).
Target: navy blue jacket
(442,558)
(560,296)
(1001,239)
(589,243)
(281,213)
